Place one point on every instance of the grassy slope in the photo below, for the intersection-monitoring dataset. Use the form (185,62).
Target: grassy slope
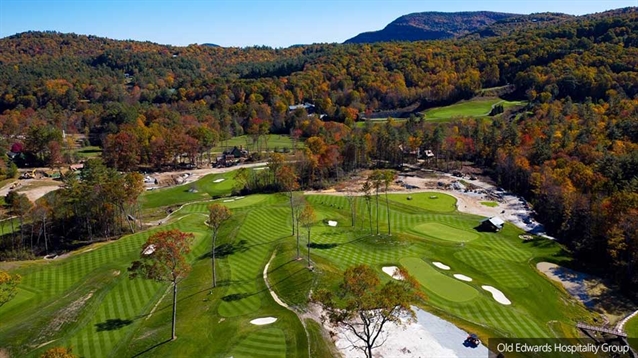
(497,259)
(177,195)
(477,107)
(274,141)
(111,312)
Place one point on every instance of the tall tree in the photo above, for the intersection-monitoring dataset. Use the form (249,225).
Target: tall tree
(288,180)
(217,215)
(377,179)
(363,306)
(307,219)
(352,201)
(388,178)
(366,188)
(8,286)
(163,259)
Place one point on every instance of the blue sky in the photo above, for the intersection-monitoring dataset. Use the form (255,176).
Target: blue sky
(277,23)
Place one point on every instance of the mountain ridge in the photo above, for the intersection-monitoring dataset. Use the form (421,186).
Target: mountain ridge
(432,25)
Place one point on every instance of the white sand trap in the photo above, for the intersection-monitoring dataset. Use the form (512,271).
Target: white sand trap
(332,223)
(263,321)
(149,250)
(429,336)
(218,180)
(229,200)
(393,272)
(441,266)
(458,276)
(498,295)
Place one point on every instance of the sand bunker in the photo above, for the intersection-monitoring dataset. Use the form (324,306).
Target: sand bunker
(441,265)
(218,180)
(263,321)
(393,272)
(332,223)
(229,200)
(574,282)
(498,295)
(462,277)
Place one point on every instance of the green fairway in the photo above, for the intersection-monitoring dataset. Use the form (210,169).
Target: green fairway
(491,204)
(476,107)
(437,283)
(444,232)
(205,188)
(431,201)
(274,141)
(87,301)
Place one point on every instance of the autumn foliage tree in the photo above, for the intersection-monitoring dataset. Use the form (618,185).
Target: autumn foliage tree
(59,352)
(363,306)
(8,286)
(217,215)
(163,259)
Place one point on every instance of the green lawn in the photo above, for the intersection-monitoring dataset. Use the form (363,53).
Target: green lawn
(444,286)
(430,201)
(87,301)
(275,141)
(89,152)
(206,188)
(476,107)
(491,204)
(444,232)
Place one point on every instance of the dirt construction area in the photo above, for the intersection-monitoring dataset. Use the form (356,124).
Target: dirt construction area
(34,189)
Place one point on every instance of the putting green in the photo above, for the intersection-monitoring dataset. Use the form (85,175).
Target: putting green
(444,232)
(444,286)
(432,201)
(491,204)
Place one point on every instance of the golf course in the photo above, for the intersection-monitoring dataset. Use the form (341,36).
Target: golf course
(86,299)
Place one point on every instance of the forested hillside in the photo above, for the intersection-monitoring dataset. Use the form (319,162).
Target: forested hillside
(573,151)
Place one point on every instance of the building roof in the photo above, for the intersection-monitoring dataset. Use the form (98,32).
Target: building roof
(496,221)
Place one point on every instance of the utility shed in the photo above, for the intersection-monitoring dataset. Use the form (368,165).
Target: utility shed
(492,224)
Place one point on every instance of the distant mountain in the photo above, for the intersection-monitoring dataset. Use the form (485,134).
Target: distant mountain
(508,25)
(210,45)
(432,26)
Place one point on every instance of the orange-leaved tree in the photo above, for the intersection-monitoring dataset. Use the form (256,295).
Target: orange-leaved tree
(163,258)
(363,306)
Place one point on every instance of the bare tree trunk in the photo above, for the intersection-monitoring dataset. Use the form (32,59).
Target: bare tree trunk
(173,336)
(214,269)
(292,212)
(387,204)
(377,211)
(309,265)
